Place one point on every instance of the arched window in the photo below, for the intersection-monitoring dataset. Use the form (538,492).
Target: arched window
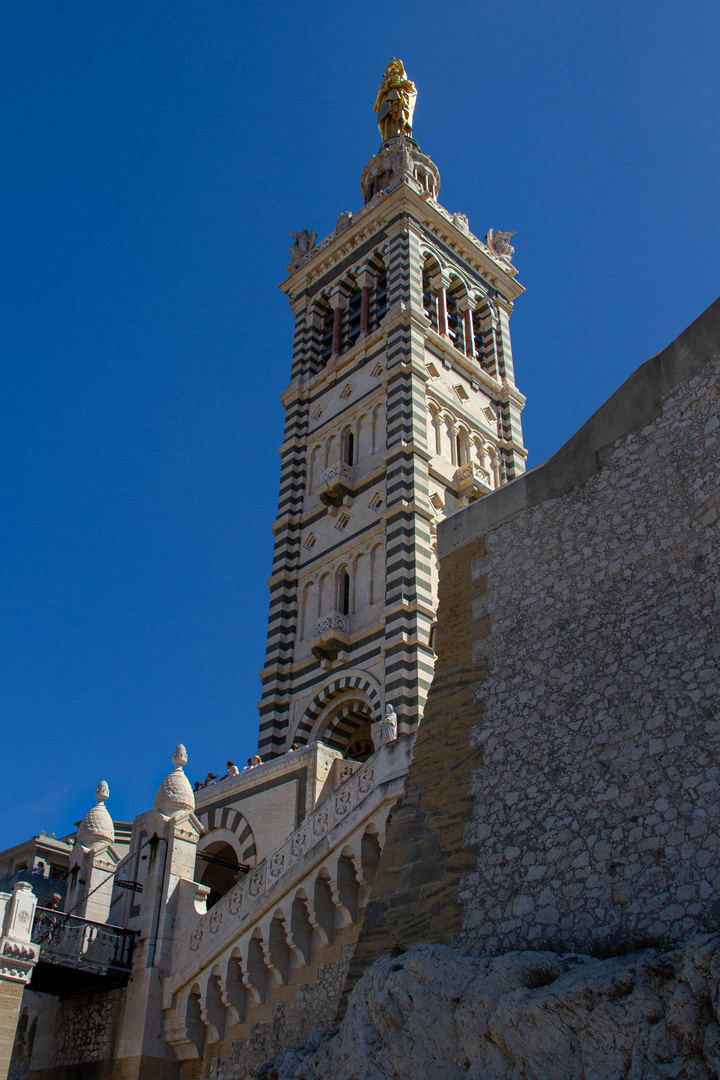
(378,294)
(348,447)
(462,447)
(434,433)
(351,318)
(343,591)
(325,319)
(455,315)
(430,304)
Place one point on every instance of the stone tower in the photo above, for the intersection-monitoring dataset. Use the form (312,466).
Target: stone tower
(401,408)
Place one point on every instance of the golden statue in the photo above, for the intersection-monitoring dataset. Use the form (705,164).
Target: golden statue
(395,101)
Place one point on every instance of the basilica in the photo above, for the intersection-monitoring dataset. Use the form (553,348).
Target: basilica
(220,924)
(481,834)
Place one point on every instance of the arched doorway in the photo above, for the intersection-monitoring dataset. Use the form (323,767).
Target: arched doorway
(341,714)
(346,727)
(217,866)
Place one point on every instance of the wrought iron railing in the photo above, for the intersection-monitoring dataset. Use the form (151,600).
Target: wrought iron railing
(71,942)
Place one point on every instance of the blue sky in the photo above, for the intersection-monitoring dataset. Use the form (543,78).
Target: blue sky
(154,157)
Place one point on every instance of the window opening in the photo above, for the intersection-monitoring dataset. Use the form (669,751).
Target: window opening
(455,320)
(351,321)
(378,295)
(348,447)
(344,590)
(429,298)
(326,335)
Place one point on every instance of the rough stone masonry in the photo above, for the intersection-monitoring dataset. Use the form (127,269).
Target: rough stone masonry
(573,722)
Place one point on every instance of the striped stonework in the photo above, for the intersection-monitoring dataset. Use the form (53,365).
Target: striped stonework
(401,409)
(226,817)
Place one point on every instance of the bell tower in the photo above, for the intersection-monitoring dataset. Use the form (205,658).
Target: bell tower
(401,408)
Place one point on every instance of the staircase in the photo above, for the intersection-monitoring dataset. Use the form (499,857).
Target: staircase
(299,908)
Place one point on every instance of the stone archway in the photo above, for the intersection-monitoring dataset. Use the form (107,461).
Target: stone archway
(345,726)
(340,714)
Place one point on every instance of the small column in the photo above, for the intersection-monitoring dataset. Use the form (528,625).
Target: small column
(365,280)
(19,956)
(468,328)
(93,862)
(440,287)
(337,324)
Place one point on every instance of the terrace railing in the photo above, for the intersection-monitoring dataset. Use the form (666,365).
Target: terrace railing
(71,942)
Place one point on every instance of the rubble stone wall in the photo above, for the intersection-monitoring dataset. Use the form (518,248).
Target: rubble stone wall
(573,719)
(87,1029)
(596,812)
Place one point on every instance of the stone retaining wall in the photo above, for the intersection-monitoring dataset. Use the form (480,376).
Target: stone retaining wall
(87,1029)
(571,739)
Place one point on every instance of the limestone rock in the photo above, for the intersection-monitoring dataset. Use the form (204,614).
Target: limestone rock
(432,1014)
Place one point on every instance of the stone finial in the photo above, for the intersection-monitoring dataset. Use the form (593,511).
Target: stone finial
(97,823)
(175,792)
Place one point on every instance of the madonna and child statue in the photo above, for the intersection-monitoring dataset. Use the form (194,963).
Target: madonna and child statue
(395,102)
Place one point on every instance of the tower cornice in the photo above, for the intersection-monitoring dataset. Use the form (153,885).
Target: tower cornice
(429,215)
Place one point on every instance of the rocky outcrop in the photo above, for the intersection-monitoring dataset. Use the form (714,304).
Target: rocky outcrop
(431,1014)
